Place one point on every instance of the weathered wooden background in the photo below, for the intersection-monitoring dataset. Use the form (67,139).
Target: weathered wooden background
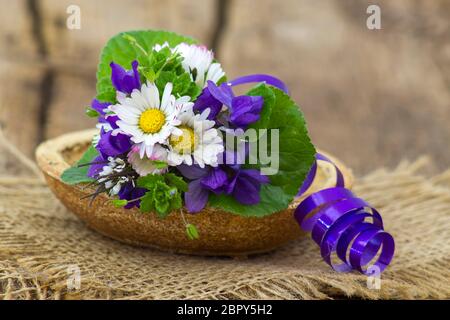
(370,96)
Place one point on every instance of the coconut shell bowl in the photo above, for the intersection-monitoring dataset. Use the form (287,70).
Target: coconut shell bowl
(221,233)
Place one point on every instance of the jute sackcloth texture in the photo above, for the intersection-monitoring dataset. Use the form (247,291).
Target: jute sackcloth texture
(43,249)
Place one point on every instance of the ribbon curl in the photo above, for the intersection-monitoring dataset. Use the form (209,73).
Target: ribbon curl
(347,229)
(268,79)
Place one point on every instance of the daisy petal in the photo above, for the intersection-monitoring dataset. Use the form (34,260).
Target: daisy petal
(166,96)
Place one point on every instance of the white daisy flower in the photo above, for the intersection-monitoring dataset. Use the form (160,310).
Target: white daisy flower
(147,119)
(200,142)
(145,166)
(198,61)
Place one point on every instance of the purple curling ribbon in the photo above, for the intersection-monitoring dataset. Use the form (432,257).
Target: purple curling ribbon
(312,174)
(347,229)
(271,80)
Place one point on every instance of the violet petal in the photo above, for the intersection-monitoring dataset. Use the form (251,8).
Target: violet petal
(255,175)
(246,110)
(129,192)
(215,181)
(196,197)
(99,106)
(112,120)
(94,169)
(123,80)
(223,93)
(246,192)
(193,172)
(206,100)
(113,145)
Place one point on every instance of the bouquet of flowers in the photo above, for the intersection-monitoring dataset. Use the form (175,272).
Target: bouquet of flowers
(175,136)
(174,133)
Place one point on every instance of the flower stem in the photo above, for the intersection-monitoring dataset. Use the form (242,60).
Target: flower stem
(183,217)
(136,199)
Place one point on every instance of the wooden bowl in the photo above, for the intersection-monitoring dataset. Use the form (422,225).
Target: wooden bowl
(221,233)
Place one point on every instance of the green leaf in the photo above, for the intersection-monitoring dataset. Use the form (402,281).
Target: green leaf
(164,193)
(147,202)
(176,181)
(296,152)
(76,174)
(162,207)
(176,202)
(163,78)
(273,199)
(149,181)
(119,203)
(193,91)
(192,231)
(107,94)
(182,84)
(123,50)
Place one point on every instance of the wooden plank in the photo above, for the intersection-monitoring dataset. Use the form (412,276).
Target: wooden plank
(16,32)
(20,78)
(100,20)
(74,53)
(71,95)
(50,76)
(19,104)
(371,97)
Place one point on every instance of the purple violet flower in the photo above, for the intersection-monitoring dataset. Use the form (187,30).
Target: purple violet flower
(204,180)
(246,185)
(111,120)
(244,110)
(111,145)
(204,101)
(243,184)
(100,106)
(125,80)
(215,181)
(97,165)
(196,197)
(130,192)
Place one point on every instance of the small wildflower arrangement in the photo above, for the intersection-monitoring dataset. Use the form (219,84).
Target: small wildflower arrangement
(174,136)
(173,133)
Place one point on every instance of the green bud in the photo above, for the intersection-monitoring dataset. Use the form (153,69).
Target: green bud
(119,203)
(91,112)
(191,231)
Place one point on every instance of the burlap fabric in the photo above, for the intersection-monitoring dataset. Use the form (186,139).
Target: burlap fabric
(42,245)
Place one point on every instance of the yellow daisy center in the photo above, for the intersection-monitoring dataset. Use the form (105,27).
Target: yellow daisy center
(151,120)
(184,143)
